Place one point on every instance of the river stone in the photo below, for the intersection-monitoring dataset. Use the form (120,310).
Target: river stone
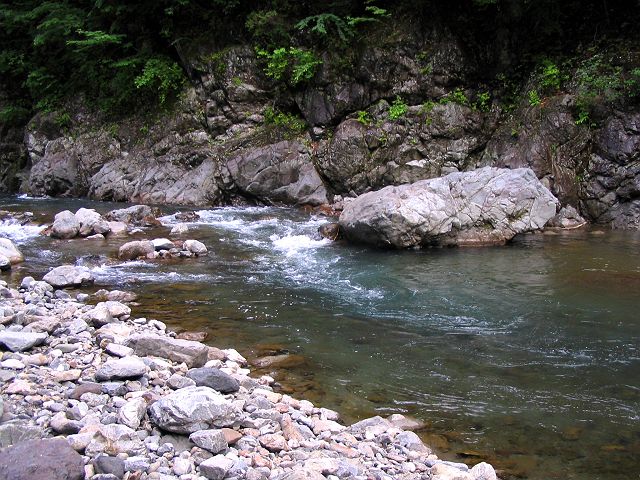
(216,468)
(113,439)
(162,244)
(194,354)
(15,431)
(122,368)
(213,441)
(21,341)
(109,465)
(9,250)
(99,315)
(213,378)
(487,206)
(68,276)
(5,263)
(91,222)
(65,225)
(133,215)
(132,412)
(195,247)
(47,459)
(483,471)
(191,409)
(135,249)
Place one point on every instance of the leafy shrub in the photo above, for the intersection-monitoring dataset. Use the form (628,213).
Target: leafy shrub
(550,77)
(534,98)
(398,109)
(292,64)
(363,117)
(288,123)
(482,102)
(14,115)
(160,76)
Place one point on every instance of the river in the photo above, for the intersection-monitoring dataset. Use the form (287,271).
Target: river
(527,356)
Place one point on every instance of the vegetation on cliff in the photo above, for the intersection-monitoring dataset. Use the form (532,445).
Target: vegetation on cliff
(129,55)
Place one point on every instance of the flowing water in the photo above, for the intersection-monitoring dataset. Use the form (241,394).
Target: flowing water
(527,356)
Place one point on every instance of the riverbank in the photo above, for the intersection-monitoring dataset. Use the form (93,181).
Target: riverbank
(134,402)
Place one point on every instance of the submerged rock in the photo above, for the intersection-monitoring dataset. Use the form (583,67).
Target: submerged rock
(488,206)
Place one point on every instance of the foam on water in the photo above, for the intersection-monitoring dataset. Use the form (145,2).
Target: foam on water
(294,244)
(19,233)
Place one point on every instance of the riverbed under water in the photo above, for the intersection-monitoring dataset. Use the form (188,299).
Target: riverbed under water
(527,356)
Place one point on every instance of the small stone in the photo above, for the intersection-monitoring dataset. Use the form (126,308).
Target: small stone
(109,465)
(135,249)
(179,229)
(212,440)
(59,423)
(195,247)
(88,387)
(66,376)
(483,471)
(182,466)
(273,442)
(118,350)
(21,341)
(214,378)
(18,387)
(216,468)
(176,382)
(162,244)
(132,412)
(130,367)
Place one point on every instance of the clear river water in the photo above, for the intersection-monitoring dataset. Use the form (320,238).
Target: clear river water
(526,356)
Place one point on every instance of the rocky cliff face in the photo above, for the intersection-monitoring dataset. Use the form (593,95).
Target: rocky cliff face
(218,147)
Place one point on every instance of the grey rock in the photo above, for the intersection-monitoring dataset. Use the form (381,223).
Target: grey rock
(216,468)
(568,217)
(47,459)
(59,423)
(132,412)
(191,409)
(483,207)
(114,439)
(162,244)
(21,341)
(10,251)
(91,222)
(279,173)
(213,441)
(65,225)
(135,249)
(176,382)
(137,463)
(109,465)
(195,247)
(135,215)
(411,441)
(122,368)
(5,263)
(214,378)
(69,276)
(16,431)
(483,471)
(194,354)
(99,316)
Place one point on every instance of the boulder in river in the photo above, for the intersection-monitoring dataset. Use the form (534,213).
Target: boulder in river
(91,222)
(488,206)
(68,276)
(135,215)
(9,250)
(136,249)
(65,225)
